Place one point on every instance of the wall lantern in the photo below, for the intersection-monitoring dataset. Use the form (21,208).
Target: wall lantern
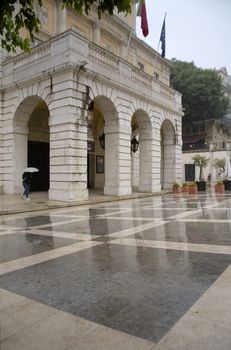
(102,140)
(81,65)
(91,106)
(134,145)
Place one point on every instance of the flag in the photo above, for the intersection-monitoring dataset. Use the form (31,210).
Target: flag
(162,39)
(143,14)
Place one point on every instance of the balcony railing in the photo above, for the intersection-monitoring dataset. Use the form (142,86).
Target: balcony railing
(68,48)
(220,146)
(213,146)
(27,59)
(103,56)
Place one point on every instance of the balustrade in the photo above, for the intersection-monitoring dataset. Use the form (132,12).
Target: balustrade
(54,52)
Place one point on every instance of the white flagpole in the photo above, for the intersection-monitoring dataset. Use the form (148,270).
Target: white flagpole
(132,29)
(159,41)
(130,36)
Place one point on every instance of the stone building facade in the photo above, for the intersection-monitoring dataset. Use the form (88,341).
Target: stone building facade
(46,121)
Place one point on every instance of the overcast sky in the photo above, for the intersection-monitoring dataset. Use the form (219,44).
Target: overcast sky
(196,30)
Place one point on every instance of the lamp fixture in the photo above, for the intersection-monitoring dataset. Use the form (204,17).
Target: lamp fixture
(82,65)
(134,145)
(91,106)
(102,140)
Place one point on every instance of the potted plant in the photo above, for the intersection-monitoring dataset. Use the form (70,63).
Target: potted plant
(201,162)
(219,187)
(219,165)
(176,188)
(184,188)
(192,188)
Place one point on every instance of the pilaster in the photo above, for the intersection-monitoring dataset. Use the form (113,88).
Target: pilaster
(61,18)
(68,145)
(96,33)
(117,159)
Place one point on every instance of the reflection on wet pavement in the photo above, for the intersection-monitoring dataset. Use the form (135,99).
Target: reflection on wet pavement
(136,266)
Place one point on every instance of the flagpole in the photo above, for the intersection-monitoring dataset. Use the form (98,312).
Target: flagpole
(129,39)
(159,43)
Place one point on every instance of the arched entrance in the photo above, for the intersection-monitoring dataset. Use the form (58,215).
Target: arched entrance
(110,165)
(32,142)
(167,159)
(95,149)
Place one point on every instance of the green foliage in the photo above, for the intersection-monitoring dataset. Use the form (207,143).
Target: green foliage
(102,6)
(14,16)
(192,184)
(202,91)
(176,185)
(201,162)
(18,14)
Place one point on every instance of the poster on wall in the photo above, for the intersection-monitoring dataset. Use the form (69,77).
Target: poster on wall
(99,164)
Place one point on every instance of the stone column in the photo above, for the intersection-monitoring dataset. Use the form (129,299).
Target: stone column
(145,157)
(13,156)
(61,23)
(117,158)
(123,50)
(96,33)
(1,60)
(178,150)
(68,158)
(1,146)
(169,164)
(172,163)
(156,160)
(20,139)
(68,141)
(149,172)
(134,15)
(135,169)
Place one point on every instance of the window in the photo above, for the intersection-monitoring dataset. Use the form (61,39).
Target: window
(141,66)
(156,75)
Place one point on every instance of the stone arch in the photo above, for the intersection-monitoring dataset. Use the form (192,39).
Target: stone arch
(23,124)
(168,154)
(105,121)
(107,107)
(41,90)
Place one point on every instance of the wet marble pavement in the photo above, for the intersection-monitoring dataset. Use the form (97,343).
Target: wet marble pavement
(151,273)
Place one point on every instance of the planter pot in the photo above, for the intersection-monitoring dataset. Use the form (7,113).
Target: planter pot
(201,185)
(219,188)
(184,189)
(176,190)
(192,190)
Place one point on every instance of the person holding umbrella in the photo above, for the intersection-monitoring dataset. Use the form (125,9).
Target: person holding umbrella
(26,178)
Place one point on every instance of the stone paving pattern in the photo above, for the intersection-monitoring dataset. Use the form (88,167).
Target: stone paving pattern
(149,273)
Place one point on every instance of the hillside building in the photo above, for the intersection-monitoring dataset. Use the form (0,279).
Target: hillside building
(211,138)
